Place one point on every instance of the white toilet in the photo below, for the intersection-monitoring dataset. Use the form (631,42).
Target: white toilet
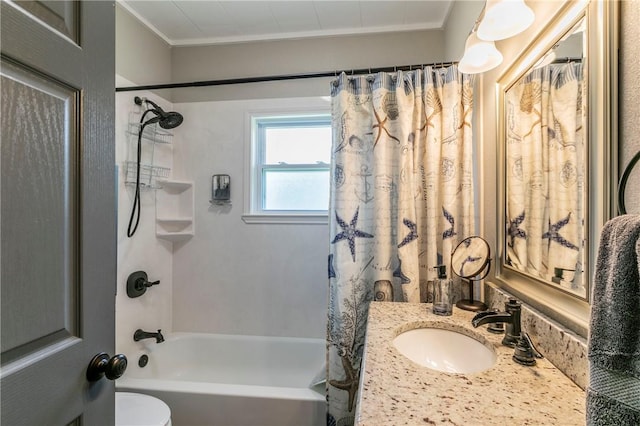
(136,409)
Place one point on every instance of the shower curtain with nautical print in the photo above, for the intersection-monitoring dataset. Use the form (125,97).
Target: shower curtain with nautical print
(401,200)
(545,144)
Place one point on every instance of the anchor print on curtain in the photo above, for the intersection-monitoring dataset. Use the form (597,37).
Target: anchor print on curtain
(401,200)
(545,187)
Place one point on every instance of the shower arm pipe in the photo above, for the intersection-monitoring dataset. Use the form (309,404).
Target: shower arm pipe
(282,77)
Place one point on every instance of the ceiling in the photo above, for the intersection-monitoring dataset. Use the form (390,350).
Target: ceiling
(185,23)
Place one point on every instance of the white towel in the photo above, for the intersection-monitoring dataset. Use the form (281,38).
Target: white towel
(613,395)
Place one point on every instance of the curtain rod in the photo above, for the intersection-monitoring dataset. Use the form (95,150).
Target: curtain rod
(278,77)
(566,60)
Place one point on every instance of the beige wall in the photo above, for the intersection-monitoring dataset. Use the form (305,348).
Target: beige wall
(629,106)
(296,57)
(141,56)
(462,17)
(144,58)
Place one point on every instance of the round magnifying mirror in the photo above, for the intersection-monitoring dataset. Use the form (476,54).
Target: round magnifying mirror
(469,259)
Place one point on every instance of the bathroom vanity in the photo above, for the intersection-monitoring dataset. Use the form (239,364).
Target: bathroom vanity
(395,390)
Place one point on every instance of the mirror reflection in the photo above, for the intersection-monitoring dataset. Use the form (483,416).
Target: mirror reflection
(470,257)
(546,165)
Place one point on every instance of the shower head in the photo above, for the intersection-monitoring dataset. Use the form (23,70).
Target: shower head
(170,120)
(166,120)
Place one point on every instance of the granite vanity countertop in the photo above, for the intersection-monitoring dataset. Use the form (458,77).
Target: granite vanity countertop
(396,391)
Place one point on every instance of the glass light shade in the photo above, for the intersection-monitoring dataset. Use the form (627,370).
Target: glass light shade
(479,56)
(504,18)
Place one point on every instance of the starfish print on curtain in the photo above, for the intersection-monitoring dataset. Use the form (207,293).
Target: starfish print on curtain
(381,126)
(350,233)
(514,229)
(464,262)
(412,235)
(448,233)
(350,383)
(553,233)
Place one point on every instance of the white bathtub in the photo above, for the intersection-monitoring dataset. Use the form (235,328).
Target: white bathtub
(212,379)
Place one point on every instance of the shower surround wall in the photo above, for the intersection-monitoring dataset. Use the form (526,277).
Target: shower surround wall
(143,251)
(239,278)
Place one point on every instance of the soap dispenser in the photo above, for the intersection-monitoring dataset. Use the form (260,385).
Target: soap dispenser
(442,292)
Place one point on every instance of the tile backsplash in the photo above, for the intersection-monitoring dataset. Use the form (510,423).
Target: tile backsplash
(563,348)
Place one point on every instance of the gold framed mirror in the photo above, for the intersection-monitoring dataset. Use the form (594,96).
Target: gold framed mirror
(557,173)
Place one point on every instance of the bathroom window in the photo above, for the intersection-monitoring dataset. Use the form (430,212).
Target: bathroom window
(291,158)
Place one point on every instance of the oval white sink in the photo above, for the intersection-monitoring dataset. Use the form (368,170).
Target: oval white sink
(445,350)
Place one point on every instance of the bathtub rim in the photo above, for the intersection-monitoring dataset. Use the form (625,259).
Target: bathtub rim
(250,391)
(134,384)
(179,335)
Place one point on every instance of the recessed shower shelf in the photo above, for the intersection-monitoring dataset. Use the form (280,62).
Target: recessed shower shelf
(175,236)
(174,185)
(176,221)
(174,210)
